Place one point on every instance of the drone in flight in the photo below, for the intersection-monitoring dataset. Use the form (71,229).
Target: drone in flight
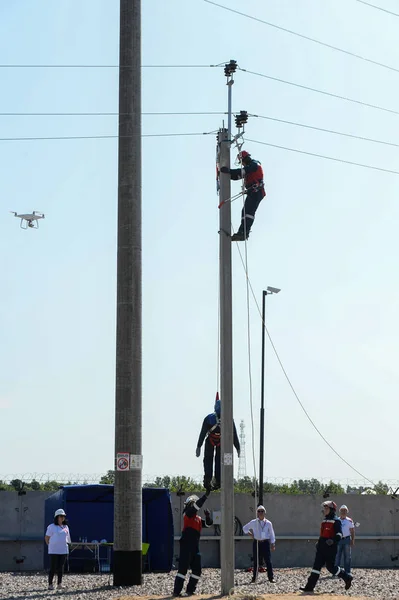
(29,220)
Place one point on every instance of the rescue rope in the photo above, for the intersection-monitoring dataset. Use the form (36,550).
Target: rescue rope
(239,147)
(231,199)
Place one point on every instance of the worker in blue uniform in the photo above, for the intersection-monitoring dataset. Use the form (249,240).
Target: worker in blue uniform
(190,557)
(326,548)
(252,173)
(211,433)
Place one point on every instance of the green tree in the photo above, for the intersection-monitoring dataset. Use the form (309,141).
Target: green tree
(381,488)
(109,478)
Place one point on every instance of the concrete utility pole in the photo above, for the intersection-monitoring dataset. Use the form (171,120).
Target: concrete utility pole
(226,354)
(128,459)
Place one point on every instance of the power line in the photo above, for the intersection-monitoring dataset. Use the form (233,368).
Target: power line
(22,66)
(311,89)
(350,135)
(290,383)
(305,37)
(198,113)
(378,8)
(102,137)
(105,114)
(340,160)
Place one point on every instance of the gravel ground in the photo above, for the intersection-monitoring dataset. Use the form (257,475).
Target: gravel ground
(381,584)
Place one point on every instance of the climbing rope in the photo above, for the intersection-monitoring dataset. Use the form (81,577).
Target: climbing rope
(248,310)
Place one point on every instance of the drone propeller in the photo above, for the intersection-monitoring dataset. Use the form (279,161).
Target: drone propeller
(13,212)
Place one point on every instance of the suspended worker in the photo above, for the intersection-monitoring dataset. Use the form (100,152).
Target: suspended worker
(211,431)
(190,557)
(255,189)
(326,548)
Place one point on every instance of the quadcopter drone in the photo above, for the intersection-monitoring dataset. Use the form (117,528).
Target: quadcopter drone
(32,220)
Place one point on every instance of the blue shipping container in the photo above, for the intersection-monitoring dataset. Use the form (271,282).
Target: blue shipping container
(90,513)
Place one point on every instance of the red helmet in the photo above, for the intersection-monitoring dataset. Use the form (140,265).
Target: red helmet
(242,155)
(330,504)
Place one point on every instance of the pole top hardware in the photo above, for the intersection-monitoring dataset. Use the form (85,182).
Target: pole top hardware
(241,119)
(230,68)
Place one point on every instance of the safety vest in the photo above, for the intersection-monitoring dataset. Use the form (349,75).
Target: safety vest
(327,529)
(254,181)
(213,436)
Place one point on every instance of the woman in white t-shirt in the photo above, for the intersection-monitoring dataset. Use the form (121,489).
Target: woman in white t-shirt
(57,539)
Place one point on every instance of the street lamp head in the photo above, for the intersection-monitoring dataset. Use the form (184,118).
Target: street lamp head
(273,290)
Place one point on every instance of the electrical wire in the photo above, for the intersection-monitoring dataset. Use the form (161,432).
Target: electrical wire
(102,137)
(349,135)
(25,66)
(311,89)
(304,37)
(265,117)
(291,384)
(378,8)
(106,114)
(314,154)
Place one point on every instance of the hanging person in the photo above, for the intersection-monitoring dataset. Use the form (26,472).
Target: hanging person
(190,557)
(255,190)
(210,432)
(326,549)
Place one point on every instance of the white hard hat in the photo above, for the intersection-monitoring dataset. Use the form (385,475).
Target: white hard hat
(59,512)
(344,507)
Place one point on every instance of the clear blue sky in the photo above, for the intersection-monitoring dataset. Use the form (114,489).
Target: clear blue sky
(326,235)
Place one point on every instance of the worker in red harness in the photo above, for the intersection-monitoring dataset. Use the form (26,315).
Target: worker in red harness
(326,548)
(190,557)
(255,189)
(211,431)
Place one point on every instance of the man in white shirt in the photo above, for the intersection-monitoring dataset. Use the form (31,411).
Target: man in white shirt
(348,539)
(262,533)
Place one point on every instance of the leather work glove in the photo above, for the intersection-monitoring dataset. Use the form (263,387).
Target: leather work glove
(225,170)
(197,452)
(329,542)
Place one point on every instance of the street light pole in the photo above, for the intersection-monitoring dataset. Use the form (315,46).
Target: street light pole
(268,291)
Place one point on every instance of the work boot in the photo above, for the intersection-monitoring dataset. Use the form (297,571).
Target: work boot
(238,237)
(348,582)
(306,589)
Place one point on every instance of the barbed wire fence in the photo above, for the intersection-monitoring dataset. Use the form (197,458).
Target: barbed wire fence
(93,478)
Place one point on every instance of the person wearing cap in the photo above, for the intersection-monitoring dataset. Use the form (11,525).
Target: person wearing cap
(262,532)
(190,557)
(348,539)
(252,173)
(57,539)
(326,548)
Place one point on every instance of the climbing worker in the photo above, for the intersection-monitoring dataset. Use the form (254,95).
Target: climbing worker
(255,189)
(262,532)
(326,548)
(190,557)
(211,431)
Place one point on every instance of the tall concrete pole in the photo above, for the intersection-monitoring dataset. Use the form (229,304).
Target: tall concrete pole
(128,434)
(226,356)
(226,374)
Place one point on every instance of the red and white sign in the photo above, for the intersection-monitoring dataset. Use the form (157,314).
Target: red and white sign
(122,461)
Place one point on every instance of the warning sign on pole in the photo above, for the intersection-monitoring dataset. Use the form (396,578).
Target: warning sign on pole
(122,461)
(228,459)
(136,461)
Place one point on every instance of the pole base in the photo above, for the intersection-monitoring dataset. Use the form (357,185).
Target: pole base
(127,568)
